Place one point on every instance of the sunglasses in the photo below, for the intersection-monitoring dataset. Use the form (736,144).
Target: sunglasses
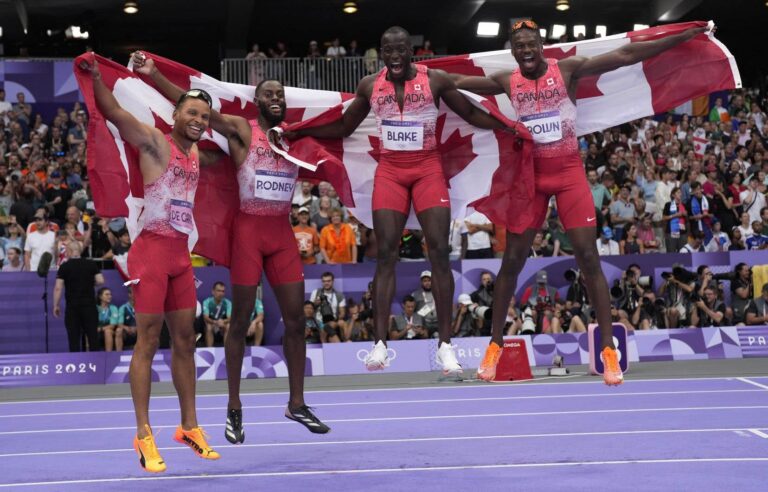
(196,94)
(529,24)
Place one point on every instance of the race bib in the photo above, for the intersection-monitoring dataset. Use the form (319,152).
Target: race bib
(402,135)
(545,127)
(181,216)
(274,186)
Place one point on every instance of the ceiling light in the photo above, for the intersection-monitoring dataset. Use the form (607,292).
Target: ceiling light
(130,7)
(562,5)
(579,29)
(487,29)
(349,7)
(640,27)
(601,31)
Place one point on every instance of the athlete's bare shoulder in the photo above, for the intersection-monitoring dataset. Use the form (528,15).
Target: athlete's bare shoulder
(502,78)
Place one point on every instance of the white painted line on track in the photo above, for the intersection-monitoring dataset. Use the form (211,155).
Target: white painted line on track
(389,470)
(399,402)
(422,417)
(401,440)
(753,383)
(758,433)
(365,390)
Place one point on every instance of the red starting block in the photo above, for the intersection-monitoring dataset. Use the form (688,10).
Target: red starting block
(513,363)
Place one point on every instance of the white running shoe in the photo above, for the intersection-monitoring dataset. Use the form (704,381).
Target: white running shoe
(377,358)
(446,357)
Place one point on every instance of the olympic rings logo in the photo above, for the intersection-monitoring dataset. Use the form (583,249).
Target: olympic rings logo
(362,354)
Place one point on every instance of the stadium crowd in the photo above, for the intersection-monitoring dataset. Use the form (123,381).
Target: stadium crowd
(665,184)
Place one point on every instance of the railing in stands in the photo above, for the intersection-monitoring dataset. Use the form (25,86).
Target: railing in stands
(333,74)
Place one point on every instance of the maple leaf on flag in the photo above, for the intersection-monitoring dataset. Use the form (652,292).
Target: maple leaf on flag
(587,85)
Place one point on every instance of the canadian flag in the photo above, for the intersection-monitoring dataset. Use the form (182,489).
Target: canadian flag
(486,170)
(700,142)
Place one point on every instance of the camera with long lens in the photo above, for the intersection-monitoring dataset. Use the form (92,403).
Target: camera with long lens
(326,310)
(529,324)
(680,274)
(572,275)
(482,312)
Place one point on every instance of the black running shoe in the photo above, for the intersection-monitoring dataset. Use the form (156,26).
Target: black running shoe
(234,431)
(305,417)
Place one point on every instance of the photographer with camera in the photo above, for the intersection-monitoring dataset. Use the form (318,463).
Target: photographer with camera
(650,312)
(708,309)
(425,302)
(329,304)
(757,311)
(576,302)
(408,324)
(741,293)
(678,290)
(357,326)
(540,298)
(463,322)
(628,293)
(483,298)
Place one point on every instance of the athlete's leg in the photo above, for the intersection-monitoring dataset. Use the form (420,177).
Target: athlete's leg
(388,226)
(182,330)
(243,300)
(290,297)
(515,254)
(436,223)
(148,327)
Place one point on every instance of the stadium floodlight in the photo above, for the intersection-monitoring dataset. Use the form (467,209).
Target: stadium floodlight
(562,5)
(487,29)
(601,31)
(558,30)
(74,32)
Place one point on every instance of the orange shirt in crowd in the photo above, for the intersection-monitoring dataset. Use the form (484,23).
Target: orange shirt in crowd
(306,240)
(338,246)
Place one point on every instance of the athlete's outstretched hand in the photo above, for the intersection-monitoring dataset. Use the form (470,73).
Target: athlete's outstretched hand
(692,33)
(91,65)
(141,63)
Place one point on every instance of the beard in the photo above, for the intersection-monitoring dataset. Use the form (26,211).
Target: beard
(272,119)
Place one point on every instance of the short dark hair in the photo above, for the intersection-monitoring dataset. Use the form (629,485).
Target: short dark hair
(327,274)
(695,185)
(217,283)
(408,298)
(309,303)
(260,84)
(395,30)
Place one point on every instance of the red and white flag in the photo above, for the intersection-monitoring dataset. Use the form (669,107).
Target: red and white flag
(484,168)
(700,142)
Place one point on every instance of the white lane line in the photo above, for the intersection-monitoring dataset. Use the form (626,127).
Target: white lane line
(398,402)
(758,433)
(753,383)
(390,470)
(424,417)
(366,390)
(396,441)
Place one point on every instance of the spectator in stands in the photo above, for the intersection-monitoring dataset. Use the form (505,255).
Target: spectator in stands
(125,334)
(323,215)
(699,216)
(122,244)
(752,200)
(408,324)
(425,302)
(13,260)
(217,313)
(695,243)
(720,240)
(109,317)
(279,51)
(463,322)
(539,247)
(600,194)
(15,236)
(478,230)
(757,310)
(337,241)
(57,196)
(312,331)
(605,243)
(256,326)
(78,133)
(307,239)
(335,50)
(353,49)
(77,278)
(737,240)
(745,226)
(757,240)
(631,244)
(42,240)
(674,217)
(426,49)
(330,305)
(622,211)
(22,110)
(5,106)
(304,197)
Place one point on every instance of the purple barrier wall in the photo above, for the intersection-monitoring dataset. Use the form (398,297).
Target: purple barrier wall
(405,356)
(22,329)
(47,85)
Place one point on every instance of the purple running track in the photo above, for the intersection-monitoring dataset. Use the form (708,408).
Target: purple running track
(692,434)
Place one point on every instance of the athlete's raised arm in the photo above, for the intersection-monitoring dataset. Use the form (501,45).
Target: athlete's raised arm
(487,86)
(144,137)
(231,126)
(629,54)
(446,89)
